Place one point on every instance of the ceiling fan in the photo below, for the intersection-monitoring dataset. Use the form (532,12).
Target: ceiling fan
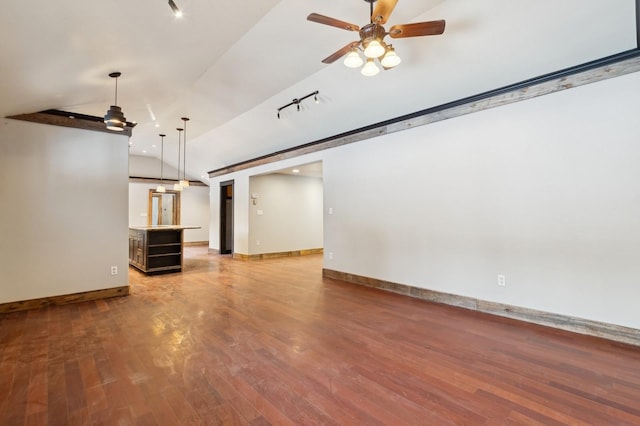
(372,35)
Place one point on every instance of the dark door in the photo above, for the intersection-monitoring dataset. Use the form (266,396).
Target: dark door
(226,217)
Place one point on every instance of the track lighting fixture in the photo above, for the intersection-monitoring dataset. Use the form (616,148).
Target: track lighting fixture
(161,187)
(114,119)
(175,9)
(184,183)
(297,101)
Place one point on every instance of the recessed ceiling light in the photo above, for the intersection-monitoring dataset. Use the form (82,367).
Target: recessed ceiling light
(295,171)
(154,146)
(144,151)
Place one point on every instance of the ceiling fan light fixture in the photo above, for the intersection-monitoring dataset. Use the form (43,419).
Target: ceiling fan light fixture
(370,69)
(374,49)
(390,59)
(353,59)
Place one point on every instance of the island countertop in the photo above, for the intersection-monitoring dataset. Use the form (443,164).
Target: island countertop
(163,227)
(157,248)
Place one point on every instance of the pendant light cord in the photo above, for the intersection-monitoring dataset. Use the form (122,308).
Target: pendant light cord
(184,156)
(161,159)
(116,103)
(179,146)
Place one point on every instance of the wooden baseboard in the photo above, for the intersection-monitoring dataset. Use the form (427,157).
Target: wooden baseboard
(195,243)
(577,325)
(66,299)
(277,254)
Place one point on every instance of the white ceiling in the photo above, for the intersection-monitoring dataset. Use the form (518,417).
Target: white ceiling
(228,66)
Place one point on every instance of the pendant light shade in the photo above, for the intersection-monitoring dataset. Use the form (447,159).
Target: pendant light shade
(114,119)
(177,186)
(184,183)
(161,187)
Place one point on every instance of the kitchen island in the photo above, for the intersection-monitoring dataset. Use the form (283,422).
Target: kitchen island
(157,249)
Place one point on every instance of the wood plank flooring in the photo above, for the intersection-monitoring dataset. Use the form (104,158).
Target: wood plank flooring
(272,342)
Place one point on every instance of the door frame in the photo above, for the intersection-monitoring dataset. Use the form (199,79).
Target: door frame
(226,238)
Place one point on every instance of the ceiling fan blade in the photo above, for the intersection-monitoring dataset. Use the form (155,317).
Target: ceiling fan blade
(321,19)
(417,29)
(340,53)
(383,10)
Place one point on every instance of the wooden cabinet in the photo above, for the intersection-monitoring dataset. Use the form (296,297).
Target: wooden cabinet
(155,249)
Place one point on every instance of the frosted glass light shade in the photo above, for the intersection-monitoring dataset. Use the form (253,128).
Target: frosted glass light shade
(390,59)
(370,69)
(161,188)
(353,60)
(177,187)
(374,49)
(184,183)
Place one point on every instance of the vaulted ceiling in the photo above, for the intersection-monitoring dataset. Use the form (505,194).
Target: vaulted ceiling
(229,66)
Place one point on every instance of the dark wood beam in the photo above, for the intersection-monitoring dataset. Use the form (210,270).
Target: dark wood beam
(138,179)
(73,120)
(591,72)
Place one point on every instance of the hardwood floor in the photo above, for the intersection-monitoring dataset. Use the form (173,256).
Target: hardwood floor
(272,342)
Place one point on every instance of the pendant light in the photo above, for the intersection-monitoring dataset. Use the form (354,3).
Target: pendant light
(177,186)
(161,187)
(184,183)
(115,118)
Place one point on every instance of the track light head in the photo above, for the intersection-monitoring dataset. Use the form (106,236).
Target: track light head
(176,10)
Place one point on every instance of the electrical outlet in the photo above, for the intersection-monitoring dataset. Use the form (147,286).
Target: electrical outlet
(114,270)
(257,242)
(502,281)
(330,255)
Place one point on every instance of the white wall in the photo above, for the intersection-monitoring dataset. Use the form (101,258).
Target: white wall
(194,209)
(63,219)
(291,218)
(149,167)
(543,191)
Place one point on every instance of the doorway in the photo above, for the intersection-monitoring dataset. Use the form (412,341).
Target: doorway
(226,217)
(164,208)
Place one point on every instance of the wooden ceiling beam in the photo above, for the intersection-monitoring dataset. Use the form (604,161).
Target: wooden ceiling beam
(56,117)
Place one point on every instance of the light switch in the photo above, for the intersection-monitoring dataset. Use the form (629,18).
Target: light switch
(260,212)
